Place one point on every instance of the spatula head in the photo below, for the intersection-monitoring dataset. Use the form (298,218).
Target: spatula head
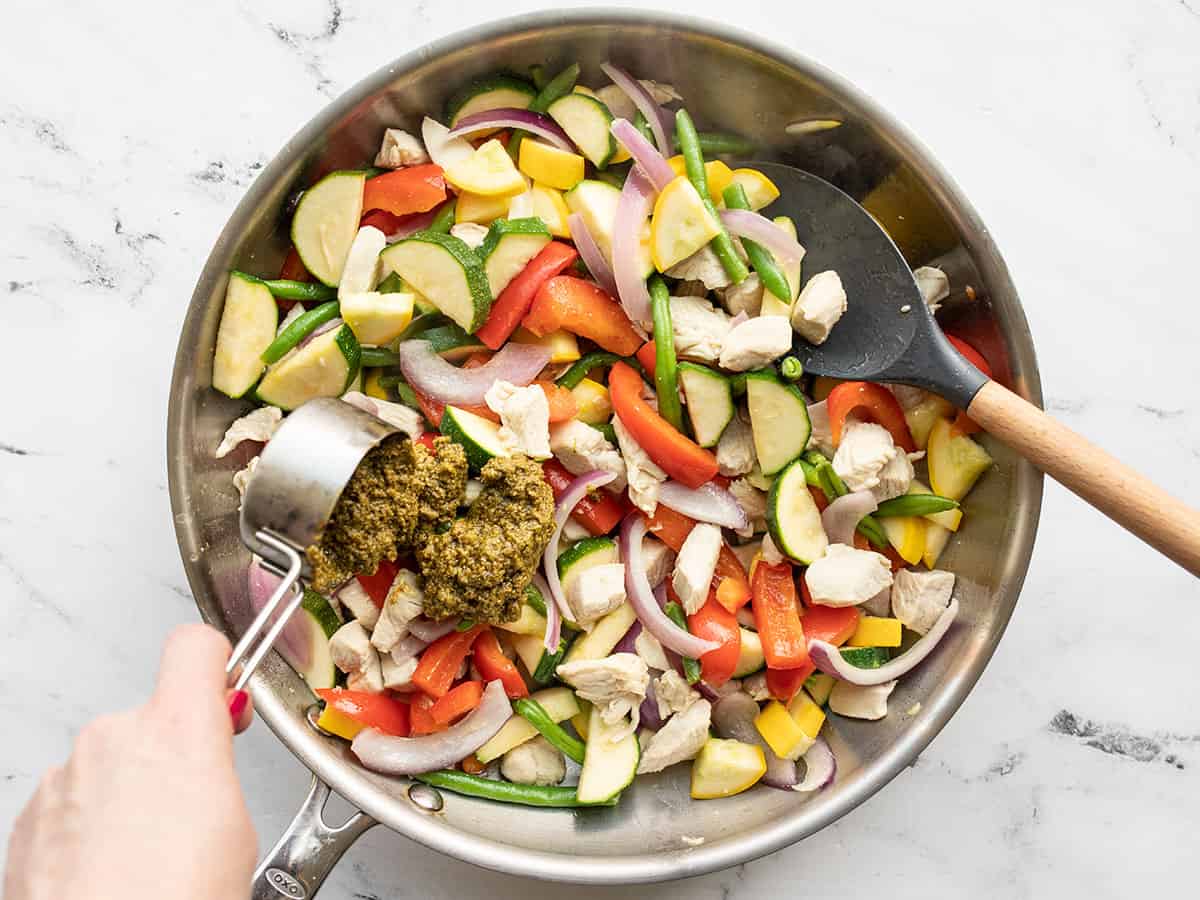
(887,332)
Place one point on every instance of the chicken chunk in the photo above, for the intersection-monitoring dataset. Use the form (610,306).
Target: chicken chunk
(934,286)
(745,297)
(858,702)
(771,554)
(397,674)
(358,601)
(895,477)
(470,233)
(525,418)
(735,449)
(920,598)
(847,576)
(753,503)
(241,478)
(820,305)
(680,739)
(651,651)
(399,148)
(699,327)
(615,685)
(351,650)
(534,762)
(258,425)
(596,593)
(703,266)
(581,448)
(403,604)
(865,450)
(642,474)
(657,560)
(673,694)
(756,343)
(695,565)
(820,438)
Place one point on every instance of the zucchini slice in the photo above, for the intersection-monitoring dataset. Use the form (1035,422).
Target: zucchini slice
(605,634)
(587,122)
(320,624)
(584,555)
(778,419)
(479,437)
(709,401)
(509,246)
(793,518)
(326,223)
(609,765)
(451,343)
(247,328)
(446,272)
(559,703)
(496,91)
(325,367)
(750,656)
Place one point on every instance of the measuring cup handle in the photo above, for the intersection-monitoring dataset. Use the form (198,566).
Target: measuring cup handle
(307,852)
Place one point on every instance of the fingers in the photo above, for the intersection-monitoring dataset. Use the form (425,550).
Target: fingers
(241,710)
(192,673)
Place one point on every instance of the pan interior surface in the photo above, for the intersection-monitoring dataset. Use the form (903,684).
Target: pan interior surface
(733,82)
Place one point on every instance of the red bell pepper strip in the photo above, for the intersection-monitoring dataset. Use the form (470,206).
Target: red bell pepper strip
(680,457)
(729,579)
(381,219)
(441,660)
(777,617)
(560,400)
(598,512)
(714,622)
(405,191)
(583,309)
(293,268)
(457,702)
(833,624)
(378,584)
(876,402)
(819,498)
(493,665)
(648,357)
(862,543)
(374,710)
(426,439)
(964,424)
(514,301)
(421,715)
(784,683)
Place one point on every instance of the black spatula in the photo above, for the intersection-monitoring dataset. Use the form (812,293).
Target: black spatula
(888,334)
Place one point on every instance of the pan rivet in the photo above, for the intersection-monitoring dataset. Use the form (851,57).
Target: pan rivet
(425,797)
(311,716)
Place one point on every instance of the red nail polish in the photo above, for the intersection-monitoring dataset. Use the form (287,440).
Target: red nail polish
(237,705)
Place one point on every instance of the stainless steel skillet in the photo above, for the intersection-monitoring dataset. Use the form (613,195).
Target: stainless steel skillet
(736,82)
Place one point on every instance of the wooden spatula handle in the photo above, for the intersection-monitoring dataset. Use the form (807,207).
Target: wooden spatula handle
(1128,498)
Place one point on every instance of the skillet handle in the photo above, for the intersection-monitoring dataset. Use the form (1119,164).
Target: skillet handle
(1131,500)
(307,852)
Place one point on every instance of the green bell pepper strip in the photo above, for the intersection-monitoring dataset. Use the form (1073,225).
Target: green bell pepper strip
(832,485)
(535,714)
(760,257)
(717,143)
(915,505)
(377,357)
(506,792)
(693,161)
(691,667)
(666,369)
(299,330)
(558,86)
(444,220)
(571,378)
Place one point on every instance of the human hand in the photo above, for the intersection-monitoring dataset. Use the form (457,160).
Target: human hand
(149,803)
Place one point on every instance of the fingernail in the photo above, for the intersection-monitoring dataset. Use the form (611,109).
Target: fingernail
(237,705)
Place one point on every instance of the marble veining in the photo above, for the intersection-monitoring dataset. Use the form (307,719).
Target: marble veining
(1072,769)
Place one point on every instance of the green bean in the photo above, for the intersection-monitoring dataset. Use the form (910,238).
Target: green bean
(304,291)
(535,599)
(812,475)
(537,74)
(464,624)
(760,257)
(372,171)
(535,714)
(506,792)
(915,505)
(444,220)
(377,357)
(606,429)
(737,383)
(791,368)
(615,177)
(643,126)
(558,86)
(580,368)
(691,668)
(717,143)
(407,395)
(547,665)
(299,330)
(693,160)
(833,487)
(666,371)
(421,324)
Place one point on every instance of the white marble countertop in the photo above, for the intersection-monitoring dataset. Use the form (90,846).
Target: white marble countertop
(129,130)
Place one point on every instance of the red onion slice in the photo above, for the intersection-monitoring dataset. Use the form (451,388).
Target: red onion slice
(575,492)
(707,503)
(428,373)
(642,99)
(829,660)
(593,256)
(410,756)
(429,630)
(762,230)
(628,644)
(510,117)
(651,162)
(295,643)
(648,716)
(318,331)
(733,717)
(841,517)
(637,588)
(414,223)
(633,207)
(820,767)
